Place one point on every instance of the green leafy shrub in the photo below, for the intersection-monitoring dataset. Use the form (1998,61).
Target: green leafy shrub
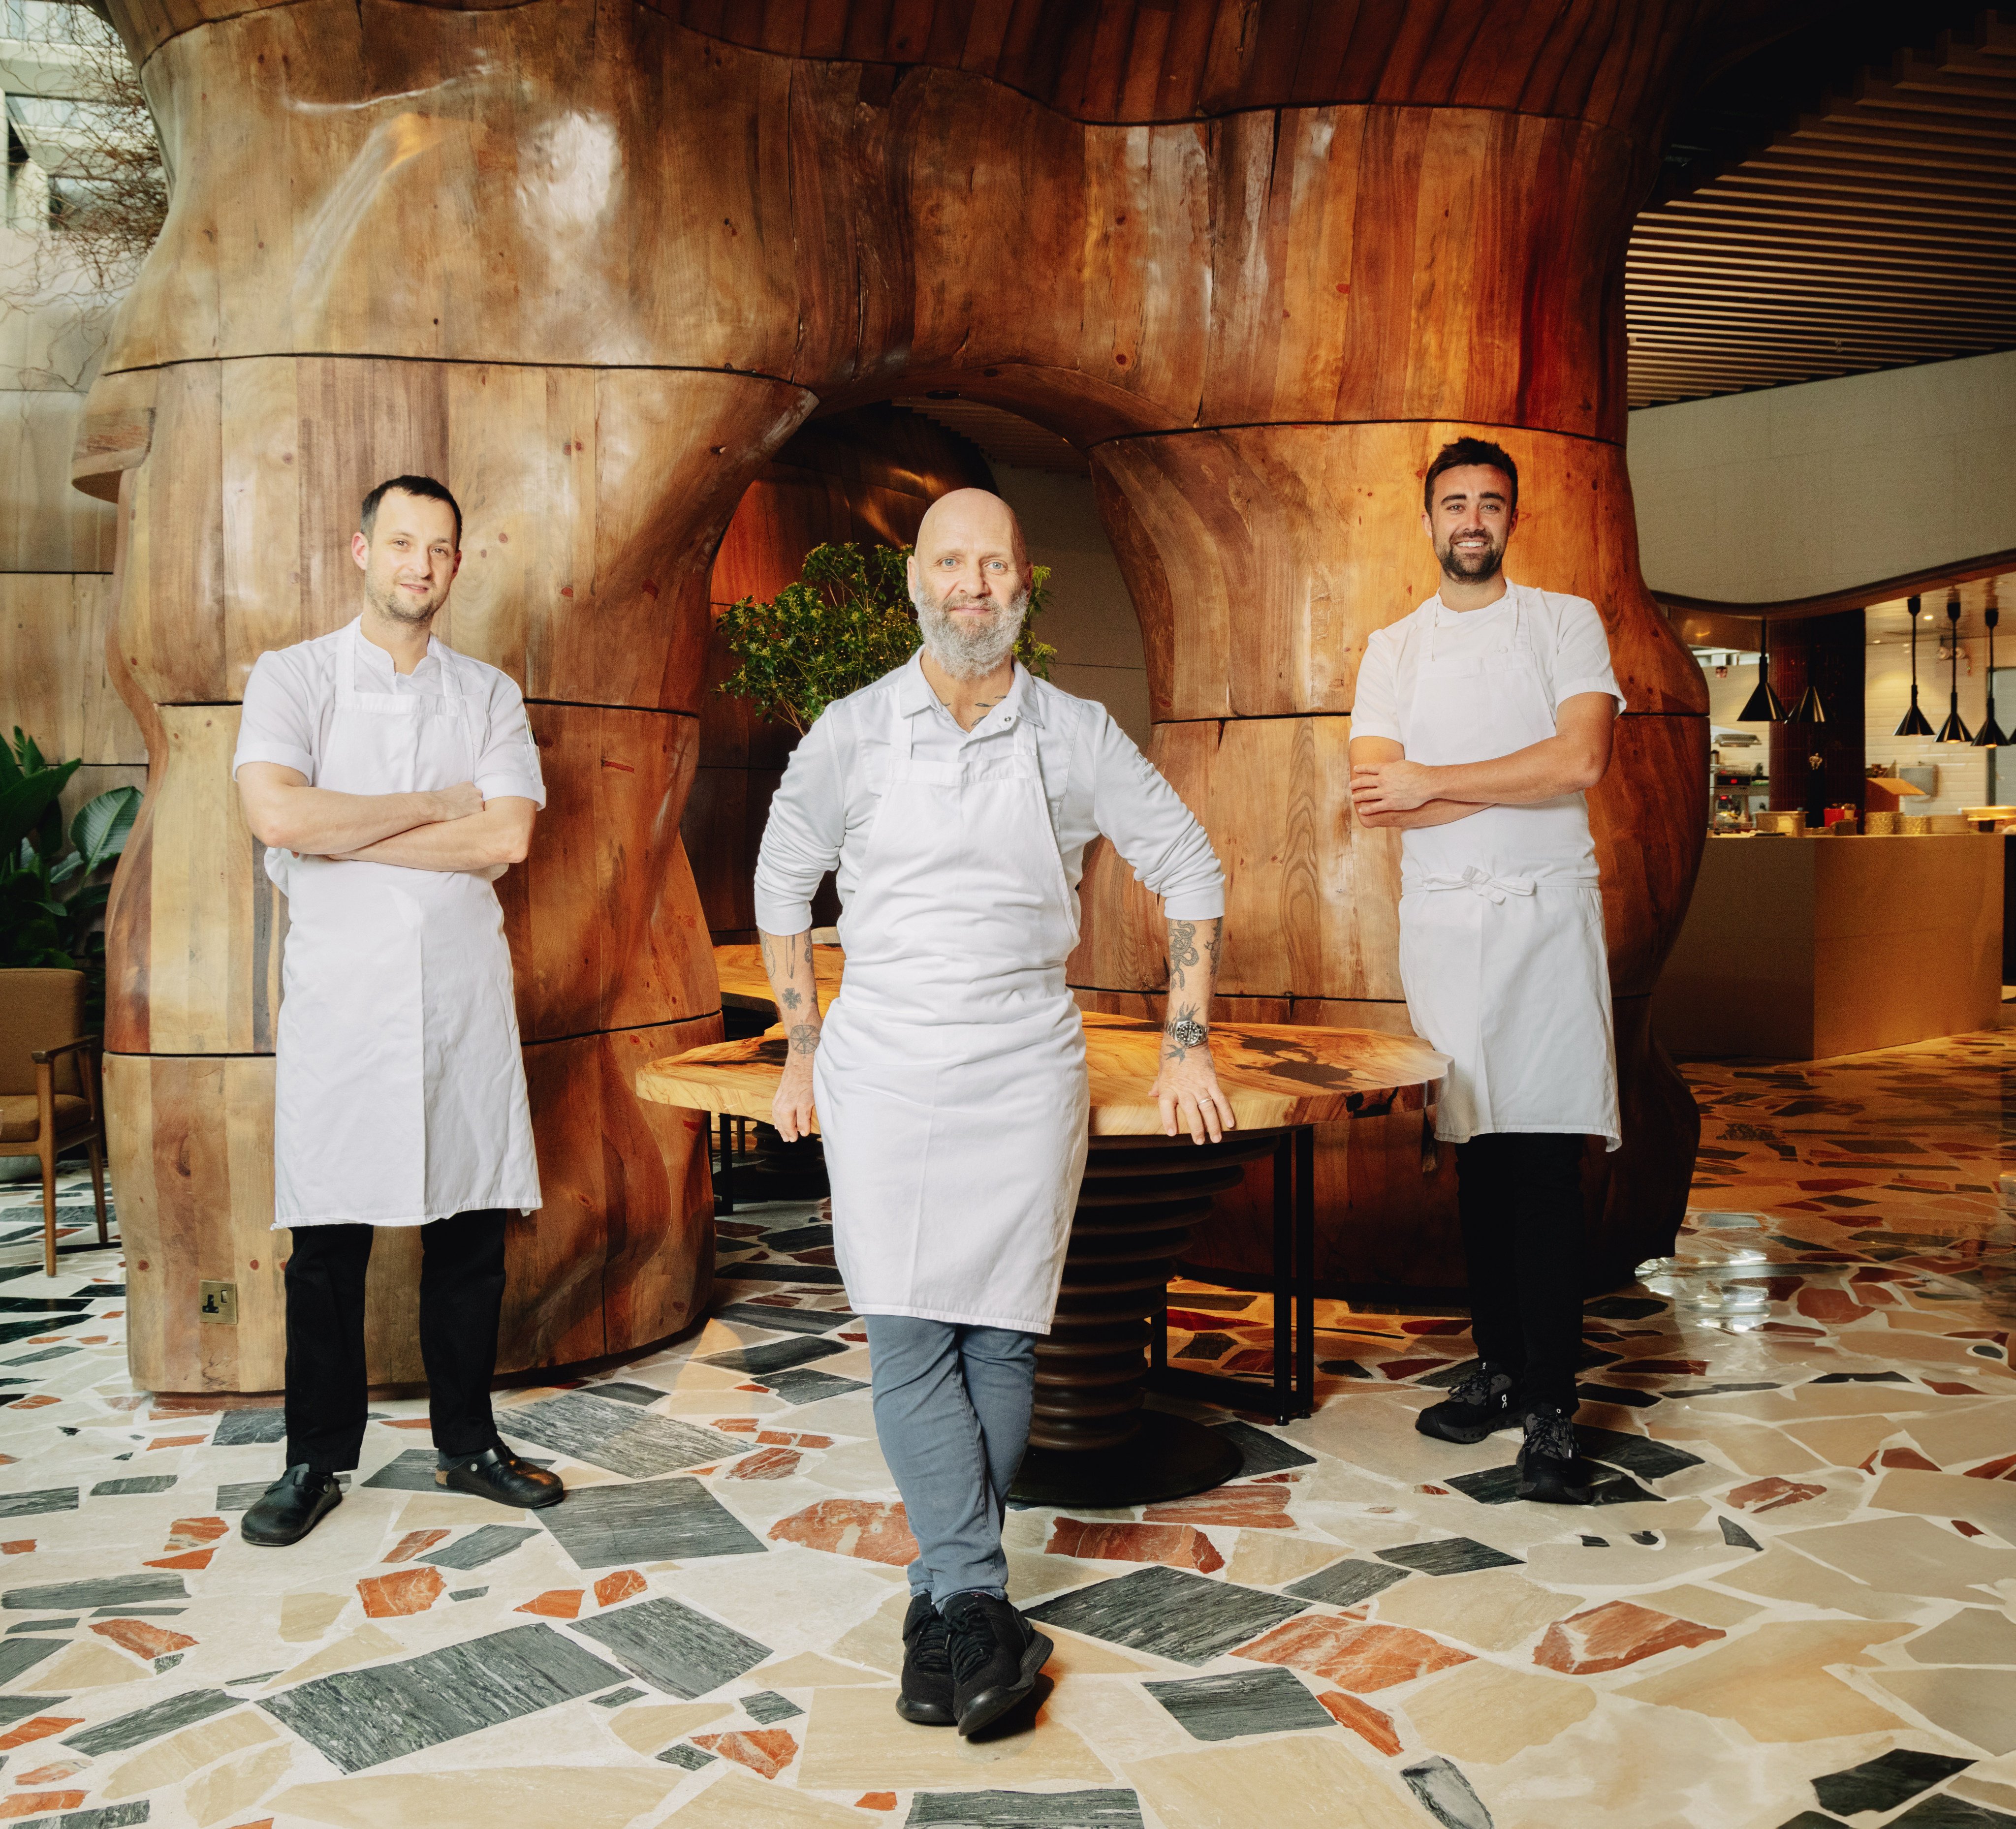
(847,622)
(52,894)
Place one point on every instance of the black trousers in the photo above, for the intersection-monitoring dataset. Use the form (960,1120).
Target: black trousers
(461,1293)
(1519,1195)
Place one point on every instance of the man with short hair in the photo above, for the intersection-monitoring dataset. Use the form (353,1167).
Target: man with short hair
(1479,723)
(391,781)
(956,797)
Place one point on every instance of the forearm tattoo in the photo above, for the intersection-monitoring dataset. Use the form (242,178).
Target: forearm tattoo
(1183,953)
(803,1037)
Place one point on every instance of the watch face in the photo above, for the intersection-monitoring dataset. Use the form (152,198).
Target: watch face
(1187,1031)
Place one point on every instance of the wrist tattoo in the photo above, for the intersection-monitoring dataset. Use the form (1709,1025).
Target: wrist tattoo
(803,1037)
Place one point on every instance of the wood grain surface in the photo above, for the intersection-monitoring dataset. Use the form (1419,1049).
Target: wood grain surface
(1274,1074)
(1262,256)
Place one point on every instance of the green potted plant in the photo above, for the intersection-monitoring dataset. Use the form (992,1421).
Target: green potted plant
(847,622)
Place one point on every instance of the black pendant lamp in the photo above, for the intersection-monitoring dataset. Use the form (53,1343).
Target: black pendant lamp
(1952,731)
(1809,711)
(1990,736)
(1762,705)
(1914,723)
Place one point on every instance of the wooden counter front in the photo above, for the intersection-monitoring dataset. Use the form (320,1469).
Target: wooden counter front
(1804,948)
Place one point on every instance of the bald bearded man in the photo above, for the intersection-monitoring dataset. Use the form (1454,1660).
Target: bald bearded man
(956,797)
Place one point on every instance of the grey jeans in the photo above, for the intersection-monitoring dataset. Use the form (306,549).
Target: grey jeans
(951,1412)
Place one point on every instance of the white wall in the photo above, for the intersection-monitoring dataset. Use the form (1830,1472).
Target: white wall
(1963,780)
(1796,491)
(1090,618)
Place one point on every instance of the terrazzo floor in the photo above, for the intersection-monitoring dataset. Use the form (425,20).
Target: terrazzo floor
(1798,1608)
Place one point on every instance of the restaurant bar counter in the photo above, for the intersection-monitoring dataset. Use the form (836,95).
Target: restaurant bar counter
(1803,948)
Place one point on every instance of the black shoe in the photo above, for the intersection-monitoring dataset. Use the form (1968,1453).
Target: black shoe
(1483,1402)
(926,1699)
(498,1474)
(995,1654)
(1551,1469)
(291,1507)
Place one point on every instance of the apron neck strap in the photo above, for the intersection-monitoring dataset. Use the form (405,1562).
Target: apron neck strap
(1438,607)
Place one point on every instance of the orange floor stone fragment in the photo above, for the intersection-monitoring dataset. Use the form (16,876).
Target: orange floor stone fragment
(141,1637)
(1354,1656)
(1908,1457)
(875,1800)
(556,1603)
(41,1401)
(619,1587)
(873,1530)
(413,1543)
(40,1728)
(1177,1546)
(1994,1470)
(1255,1507)
(765,1751)
(1770,1494)
(193,1533)
(188,1559)
(794,1438)
(53,1773)
(174,1441)
(766,1463)
(36,1803)
(17,1547)
(1616,1634)
(1364,1721)
(406,1590)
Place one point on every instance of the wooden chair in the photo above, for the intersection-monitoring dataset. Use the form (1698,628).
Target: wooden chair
(50,1098)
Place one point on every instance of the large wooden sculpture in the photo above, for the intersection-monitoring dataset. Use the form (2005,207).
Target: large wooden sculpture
(592,262)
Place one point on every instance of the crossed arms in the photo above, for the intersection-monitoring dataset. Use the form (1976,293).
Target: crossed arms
(1387,790)
(447,828)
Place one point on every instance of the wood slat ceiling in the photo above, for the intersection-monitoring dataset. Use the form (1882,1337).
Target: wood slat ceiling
(1875,232)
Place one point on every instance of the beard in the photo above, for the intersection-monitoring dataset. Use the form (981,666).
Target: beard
(1472,567)
(388,604)
(970,653)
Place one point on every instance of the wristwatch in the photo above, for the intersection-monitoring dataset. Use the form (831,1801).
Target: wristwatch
(1188,1032)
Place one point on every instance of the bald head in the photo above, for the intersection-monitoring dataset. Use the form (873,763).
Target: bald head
(969,581)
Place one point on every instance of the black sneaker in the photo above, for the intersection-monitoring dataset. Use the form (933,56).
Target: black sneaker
(1481,1404)
(995,1654)
(926,1698)
(291,1507)
(1551,1469)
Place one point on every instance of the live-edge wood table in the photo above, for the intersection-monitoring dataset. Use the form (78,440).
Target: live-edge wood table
(1091,1443)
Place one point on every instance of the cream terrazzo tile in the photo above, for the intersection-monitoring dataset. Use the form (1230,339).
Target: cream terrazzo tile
(1032,1577)
(1626,1565)
(1990,1504)
(1076,1656)
(170,1761)
(305,1618)
(648,1728)
(1845,1441)
(90,1665)
(1488,1711)
(1309,1781)
(811,1670)
(235,1786)
(855,1739)
(1975,1635)
(791,1600)
(365,1645)
(1979,1706)
(1121,1719)
(1991,1792)
(736,1801)
(1273,1558)
(1909,1553)
(445,1510)
(1973,1434)
(1491,1610)
(1802,1403)
(1773,1681)
(481,1797)
(1704,1606)
(877,1640)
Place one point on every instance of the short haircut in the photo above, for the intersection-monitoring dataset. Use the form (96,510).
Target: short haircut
(425,488)
(1460,451)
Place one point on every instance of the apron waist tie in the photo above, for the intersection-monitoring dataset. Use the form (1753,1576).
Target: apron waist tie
(1482,882)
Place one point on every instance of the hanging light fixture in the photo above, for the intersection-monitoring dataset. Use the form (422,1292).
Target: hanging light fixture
(1762,705)
(1914,723)
(1809,710)
(1952,731)
(1990,736)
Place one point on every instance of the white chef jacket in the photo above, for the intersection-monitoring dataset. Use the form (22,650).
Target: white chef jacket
(1096,781)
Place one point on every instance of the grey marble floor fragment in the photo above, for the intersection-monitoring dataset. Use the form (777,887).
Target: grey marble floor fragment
(1448,1556)
(242,1495)
(619,1391)
(357,1719)
(674,1647)
(111,1590)
(1024,1809)
(34,1504)
(1883,1784)
(805,1384)
(785,1321)
(236,1429)
(410,1470)
(485,1544)
(619,1437)
(1445,1794)
(18,1655)
(1262,1453)
(1173,1614)
(766,1707)
(653,1521)
(69,1625)
(141,1482)
(775,1356)
(151,1723)
(690,1758)
(1237,1702)
(1638,1454)
(1345,1583)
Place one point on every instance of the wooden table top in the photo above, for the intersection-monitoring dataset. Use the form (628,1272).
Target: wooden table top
(1276,1075)
(744,986)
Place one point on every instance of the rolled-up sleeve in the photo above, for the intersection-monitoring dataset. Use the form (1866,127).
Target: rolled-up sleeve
(278,722)
(509,763)
(1135,808)
(801,839)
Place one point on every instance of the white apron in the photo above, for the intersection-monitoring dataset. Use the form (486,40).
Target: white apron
(950,1080)
(1502,949)
(400,1093)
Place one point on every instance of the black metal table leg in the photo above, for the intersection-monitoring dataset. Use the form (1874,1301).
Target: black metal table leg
(1305,1270)
(1285,1206)
(724,1180)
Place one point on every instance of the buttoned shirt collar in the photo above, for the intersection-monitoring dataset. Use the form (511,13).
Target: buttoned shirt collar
(386,677)
(914,694)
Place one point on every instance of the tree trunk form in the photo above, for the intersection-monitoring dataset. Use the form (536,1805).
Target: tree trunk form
(592,263)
